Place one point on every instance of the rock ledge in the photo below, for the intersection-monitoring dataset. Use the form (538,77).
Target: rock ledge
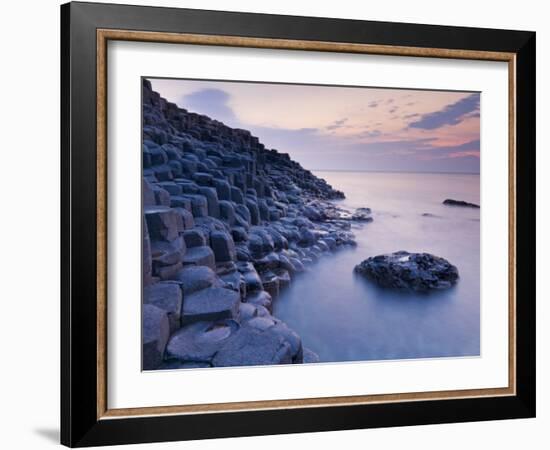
(451,202)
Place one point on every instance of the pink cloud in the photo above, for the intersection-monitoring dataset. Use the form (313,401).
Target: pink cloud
(463,154)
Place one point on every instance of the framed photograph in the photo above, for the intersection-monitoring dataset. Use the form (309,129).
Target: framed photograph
(276,224)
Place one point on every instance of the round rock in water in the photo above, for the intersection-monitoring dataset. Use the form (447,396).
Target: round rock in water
(413,271)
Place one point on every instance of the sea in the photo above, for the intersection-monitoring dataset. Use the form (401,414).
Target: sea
(344,317)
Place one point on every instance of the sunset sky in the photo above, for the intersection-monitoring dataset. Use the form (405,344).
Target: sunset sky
(344,128)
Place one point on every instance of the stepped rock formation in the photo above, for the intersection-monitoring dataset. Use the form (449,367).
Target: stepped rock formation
(227,224)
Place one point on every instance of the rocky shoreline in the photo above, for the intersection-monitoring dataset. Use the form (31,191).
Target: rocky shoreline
(227,225)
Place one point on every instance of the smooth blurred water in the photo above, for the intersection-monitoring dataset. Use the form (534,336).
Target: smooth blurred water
(343,317)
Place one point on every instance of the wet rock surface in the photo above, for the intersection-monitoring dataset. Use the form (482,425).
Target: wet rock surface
(412,271)
(227,225)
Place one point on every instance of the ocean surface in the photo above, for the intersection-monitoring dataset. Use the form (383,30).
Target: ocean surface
(343,317)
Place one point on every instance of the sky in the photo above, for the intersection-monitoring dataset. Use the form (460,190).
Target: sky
(344,128)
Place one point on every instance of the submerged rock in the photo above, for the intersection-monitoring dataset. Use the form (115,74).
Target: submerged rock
(413,271)
(362,215)
(310,357)
(451,202)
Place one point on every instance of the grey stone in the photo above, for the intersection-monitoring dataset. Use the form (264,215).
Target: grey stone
(312,213)
(199,256)
(227,212)
(310,357)
(188,187)
(411,271)
(250,346)
(162,222)
(237,195)
(283,276)
(225,268)
(270,282)
(249,311)
(264,209)
(188,167)
(322,245)
(147,263)
(252,280)
(187,218)
(307,237)
(362,215)
(168,297)
(223,246)
(164,253)
(176,167)
(156,155)
(163,173)
(279,241)
(451,202)
(285,263)
(259,187)
(274,214)
(199,205)
(196,278)
(260,243)
(212,200)
(168,272)
(276,326)
(260,298)
(297,264)
(171,187)
(310,254)
(210,304)
(178,201)
(268,262)
(243,212)
(234,280)
(241,222)
(330,242)
(200,341)
(202,179)
(254,211)
(239,234)
(223,189)
(194,237)
(210,224)
(155,333)
(174,364)
(147,193)
(243,254)
(162,197)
